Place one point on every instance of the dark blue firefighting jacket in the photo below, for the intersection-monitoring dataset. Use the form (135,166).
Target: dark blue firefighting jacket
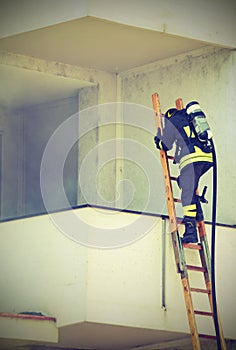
(189,148)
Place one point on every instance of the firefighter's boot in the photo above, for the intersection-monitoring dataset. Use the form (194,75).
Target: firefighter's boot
(190,234)
(199,216)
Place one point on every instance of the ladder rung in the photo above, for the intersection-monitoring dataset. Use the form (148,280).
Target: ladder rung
(200,290)
(192,246)
(177,200)
(206,336)
(173,178)
(203,313)
(196,268)
(170,157)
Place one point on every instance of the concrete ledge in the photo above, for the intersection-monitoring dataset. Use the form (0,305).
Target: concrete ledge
(28,327)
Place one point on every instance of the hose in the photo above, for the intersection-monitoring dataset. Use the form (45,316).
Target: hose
(213,230)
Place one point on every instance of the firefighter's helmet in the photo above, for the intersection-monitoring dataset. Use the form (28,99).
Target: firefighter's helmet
(170,112)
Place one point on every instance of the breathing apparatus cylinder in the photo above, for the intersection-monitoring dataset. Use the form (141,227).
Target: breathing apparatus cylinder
(198,120)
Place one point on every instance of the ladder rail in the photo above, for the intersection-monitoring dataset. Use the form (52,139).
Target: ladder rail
(178,247)
(204,256)
(168,186)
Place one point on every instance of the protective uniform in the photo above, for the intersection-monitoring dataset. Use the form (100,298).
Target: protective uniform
(194,158)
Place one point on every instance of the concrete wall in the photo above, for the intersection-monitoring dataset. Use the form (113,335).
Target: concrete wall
(88,97)
(25,133)
(125,285)
(47,117)
(122,286)
(120,173)
(207,76)
(97,127)
(43,269)
(11,125)
(40,123)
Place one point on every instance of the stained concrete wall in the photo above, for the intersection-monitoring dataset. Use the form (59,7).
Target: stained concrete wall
(89,96)
(97,126)
(207,76)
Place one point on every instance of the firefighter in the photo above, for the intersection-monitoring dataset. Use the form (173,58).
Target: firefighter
(194,157)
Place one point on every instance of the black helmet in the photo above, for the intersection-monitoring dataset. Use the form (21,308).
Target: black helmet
(170,112)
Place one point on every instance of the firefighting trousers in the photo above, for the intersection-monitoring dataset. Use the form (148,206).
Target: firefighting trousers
(188,182)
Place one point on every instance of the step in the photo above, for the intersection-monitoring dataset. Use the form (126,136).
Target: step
(170,157)
(177,200)
(196,268)
(197,246)
(200,290)
(203,313)
(206,336)
(174,178)
(27,316)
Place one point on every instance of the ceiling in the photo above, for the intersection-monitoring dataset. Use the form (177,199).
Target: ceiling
(95,43)
(87,42)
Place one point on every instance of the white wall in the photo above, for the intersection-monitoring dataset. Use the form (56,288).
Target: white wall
(125,285)
(45,270)
(197,20)
(26,15)
(210,21)
(42,270)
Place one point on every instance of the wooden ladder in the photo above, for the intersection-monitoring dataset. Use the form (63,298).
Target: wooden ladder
(179,249)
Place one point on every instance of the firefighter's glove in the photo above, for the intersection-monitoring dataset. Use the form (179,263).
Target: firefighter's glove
(158,142)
